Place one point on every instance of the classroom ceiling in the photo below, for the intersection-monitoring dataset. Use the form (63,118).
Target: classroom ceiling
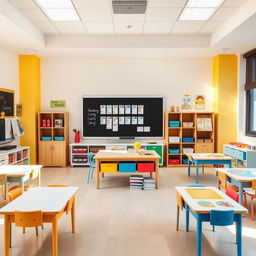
(97,18)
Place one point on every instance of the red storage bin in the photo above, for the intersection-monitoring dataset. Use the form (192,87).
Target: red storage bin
(174,161)
(146,167)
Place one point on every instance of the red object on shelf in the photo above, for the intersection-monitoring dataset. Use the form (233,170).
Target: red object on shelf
(44,122)
(77,137)
(174,161)
(48,122)
(146,167)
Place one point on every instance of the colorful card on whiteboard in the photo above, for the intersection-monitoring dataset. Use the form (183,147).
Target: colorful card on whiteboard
(58,103)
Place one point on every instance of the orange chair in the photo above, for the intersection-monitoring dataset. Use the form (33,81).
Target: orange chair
(58,185)
(251,192)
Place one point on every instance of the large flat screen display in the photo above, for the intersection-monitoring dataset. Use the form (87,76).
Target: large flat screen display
(122,117)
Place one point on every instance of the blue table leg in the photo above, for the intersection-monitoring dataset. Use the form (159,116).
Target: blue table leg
(188,167)
(241,194)
(230,164)
(239,234)
(197,171)
(198,236)
(187,218)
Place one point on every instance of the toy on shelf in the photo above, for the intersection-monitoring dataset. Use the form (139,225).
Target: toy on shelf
(77,135)
(137,146)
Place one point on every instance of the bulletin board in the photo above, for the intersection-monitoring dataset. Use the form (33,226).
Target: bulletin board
(6,103)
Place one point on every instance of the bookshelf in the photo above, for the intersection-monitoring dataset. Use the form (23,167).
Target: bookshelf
(190,132)
(53,138)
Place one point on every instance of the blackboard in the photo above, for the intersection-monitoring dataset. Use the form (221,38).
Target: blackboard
(146,121)
(6,103)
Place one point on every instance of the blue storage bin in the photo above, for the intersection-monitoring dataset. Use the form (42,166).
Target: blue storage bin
(174,151)
(188,139)
(174,123)
(44,138)
(127,166)
(59,138)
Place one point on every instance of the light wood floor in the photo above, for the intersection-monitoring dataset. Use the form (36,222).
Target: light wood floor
(115,221)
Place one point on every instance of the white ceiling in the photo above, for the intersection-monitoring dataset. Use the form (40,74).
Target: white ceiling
(97,18)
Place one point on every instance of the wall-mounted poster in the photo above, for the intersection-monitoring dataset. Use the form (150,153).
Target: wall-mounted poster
(186,102)
(200,102)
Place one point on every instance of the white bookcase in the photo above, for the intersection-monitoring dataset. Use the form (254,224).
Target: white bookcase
(79,151)
(19,155)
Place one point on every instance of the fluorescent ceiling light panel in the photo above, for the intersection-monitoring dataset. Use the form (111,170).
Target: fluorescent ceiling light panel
(44,4)
(204,3)
(196,13)
(62,14)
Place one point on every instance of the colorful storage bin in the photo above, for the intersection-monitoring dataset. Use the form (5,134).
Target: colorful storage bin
(146,167)
(44,138)
(188,139)
(174,139)
(174,151)
(174,161)
(174,123)
(188,150)
(127,167)
(108,167)
(59,138)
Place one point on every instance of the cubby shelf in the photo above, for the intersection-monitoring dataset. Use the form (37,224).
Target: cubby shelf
(201,142)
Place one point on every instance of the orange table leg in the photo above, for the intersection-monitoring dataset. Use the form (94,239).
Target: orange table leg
(151,174)
(55,236)
(73,217)
(6,234)
(156,174)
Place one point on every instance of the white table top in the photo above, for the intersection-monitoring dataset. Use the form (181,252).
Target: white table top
(209,156)
(18,169)
(195,207)
(46,199)
(240,174)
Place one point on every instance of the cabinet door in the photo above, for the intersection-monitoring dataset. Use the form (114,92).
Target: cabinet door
(45,153)
(158,150)
(59,153)
(204,148)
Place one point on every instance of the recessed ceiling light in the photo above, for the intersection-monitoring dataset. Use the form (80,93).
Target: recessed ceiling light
(44,4)
(62,14)
(59,10)
(204,3)
(196,13)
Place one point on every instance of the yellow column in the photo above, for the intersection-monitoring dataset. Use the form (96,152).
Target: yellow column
(29,76)
(225,79)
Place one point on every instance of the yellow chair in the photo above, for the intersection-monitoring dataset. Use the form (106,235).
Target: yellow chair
(4,185)
(180,205)
(222,181)
(251,192)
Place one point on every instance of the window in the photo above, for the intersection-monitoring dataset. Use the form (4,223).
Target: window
(250,87)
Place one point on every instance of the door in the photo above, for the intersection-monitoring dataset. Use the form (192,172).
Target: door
(59,153)
(45,153)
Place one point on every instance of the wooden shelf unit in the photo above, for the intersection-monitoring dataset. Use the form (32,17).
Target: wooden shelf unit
(17,156)
(198,147)
(53,152)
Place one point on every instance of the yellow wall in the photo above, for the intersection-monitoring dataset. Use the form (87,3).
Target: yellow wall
(225,79)
(29,78)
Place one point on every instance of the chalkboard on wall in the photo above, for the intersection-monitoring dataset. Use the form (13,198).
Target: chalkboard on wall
(6,103)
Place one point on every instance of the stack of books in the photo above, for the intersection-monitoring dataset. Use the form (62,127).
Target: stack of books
(149,183)
(136,182)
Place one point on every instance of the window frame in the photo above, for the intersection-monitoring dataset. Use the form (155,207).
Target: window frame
(248,132)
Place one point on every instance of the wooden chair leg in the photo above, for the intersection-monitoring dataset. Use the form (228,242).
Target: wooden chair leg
(252,209)
(10,242)
(36,231)
(178,218)
(245,201)
(24,230)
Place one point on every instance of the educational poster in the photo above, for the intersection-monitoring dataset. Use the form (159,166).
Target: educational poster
(200,102)
(121,109)
(109,109)
(140,120)
(141,110)
(134,120)
(103,109)
(127,120)
(134,109)
(127,109)
(115,110)
(109,122)
(186,102)
(115,123)
(121,120)
(102,120)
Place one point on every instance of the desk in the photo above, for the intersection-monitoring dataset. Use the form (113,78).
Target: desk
(20,173)
(207,158)
(52,201)
(121,155)
(200,201)
(241,177)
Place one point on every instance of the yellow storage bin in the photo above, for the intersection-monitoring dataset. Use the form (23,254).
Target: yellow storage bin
(108,167)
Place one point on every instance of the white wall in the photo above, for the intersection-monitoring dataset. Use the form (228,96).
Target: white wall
(9,72)
(70,78)
(242,105)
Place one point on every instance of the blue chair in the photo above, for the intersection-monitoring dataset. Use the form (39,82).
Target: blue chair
(179,205)
(92,166)
(221,218)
